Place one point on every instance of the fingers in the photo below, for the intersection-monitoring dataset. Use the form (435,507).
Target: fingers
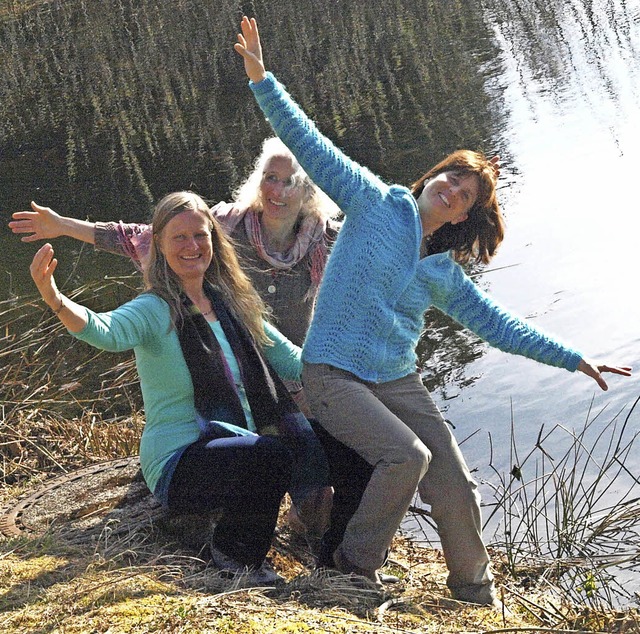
(22,222)
(623,370)
(595,370)
(42,259)
(601,382)
(248,46)
(241,48)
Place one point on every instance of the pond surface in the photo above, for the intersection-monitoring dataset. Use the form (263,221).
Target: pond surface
(120,107)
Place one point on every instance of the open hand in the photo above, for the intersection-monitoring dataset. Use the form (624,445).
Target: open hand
(595,369)
(41,224)
(42,269)
(249,47)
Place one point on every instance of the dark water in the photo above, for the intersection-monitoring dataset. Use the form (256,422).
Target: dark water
(107,106)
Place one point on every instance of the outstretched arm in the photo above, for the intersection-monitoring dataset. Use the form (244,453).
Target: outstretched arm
(45,224)
(352,187)
(456,295)
(42,268)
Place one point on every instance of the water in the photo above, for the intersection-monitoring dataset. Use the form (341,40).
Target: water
(116,111)
(573,148)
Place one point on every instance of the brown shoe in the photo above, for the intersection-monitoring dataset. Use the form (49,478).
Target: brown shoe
(343,565)
(314,512)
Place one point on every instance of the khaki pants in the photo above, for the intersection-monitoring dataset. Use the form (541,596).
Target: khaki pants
(397,428)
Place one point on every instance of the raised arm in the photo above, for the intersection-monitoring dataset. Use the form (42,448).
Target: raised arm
(351,186)
(45,224)
(42,268)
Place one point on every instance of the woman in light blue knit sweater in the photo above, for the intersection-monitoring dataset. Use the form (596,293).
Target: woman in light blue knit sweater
(398,253)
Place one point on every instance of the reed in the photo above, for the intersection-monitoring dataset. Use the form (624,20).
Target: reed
(570,507)
(64,404)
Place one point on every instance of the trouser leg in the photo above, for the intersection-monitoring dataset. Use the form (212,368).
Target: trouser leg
(351,412)
(448,488)
(246,477)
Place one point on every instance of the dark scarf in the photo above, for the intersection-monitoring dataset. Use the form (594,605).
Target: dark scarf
(216,397)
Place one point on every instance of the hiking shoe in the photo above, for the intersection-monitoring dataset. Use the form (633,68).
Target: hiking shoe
(346,567)
(481,594)
(265,575)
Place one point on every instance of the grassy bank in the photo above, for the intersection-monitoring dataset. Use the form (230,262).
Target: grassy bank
(63,409)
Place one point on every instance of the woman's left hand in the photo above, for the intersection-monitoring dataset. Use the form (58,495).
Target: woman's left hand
(249,47)
(594,369)
(42,269)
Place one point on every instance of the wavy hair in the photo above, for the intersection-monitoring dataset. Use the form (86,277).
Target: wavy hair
(224,272)
(248,195)
(480,235)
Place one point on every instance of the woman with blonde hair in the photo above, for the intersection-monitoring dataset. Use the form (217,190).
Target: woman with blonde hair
(221,431)
(283,227)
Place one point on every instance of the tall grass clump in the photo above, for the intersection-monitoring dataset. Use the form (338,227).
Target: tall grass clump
(569,509)
(64,404)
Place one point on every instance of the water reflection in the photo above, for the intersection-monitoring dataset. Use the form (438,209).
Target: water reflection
(110,105)
(147,95)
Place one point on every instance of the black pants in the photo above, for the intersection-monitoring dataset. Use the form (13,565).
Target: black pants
(349,475)
(246,477)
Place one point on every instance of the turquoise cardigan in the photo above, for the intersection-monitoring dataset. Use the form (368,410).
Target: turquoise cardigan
(370,309)
(144,325)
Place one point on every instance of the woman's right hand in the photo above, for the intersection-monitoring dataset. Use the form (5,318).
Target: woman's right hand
(42,268)
(41,224)
(249,47)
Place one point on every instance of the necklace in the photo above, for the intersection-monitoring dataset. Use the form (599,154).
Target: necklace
(207,312)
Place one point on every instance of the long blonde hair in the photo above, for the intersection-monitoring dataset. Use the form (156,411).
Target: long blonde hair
(248,195)
(224,272)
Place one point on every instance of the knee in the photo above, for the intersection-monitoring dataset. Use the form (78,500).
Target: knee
(420,456)
(275,458)
(414,459)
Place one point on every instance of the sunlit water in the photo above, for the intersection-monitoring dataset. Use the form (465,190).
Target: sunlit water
(573,223)
(570,195)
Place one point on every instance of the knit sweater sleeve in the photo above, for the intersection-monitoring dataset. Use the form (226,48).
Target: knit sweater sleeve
(352,187)
(132,240)
(133,324)
(283,355)
(457,296)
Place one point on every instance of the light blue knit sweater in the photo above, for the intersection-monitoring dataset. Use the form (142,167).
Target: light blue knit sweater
(370,309)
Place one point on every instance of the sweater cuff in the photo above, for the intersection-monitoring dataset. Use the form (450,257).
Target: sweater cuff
(264,86)
(105,235)
(574,360)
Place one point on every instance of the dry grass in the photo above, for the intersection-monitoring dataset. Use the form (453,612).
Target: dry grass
(146,581)
(141,578)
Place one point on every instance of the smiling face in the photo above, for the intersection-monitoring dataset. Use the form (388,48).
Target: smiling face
(448,197)
(281,195)
(185,242)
